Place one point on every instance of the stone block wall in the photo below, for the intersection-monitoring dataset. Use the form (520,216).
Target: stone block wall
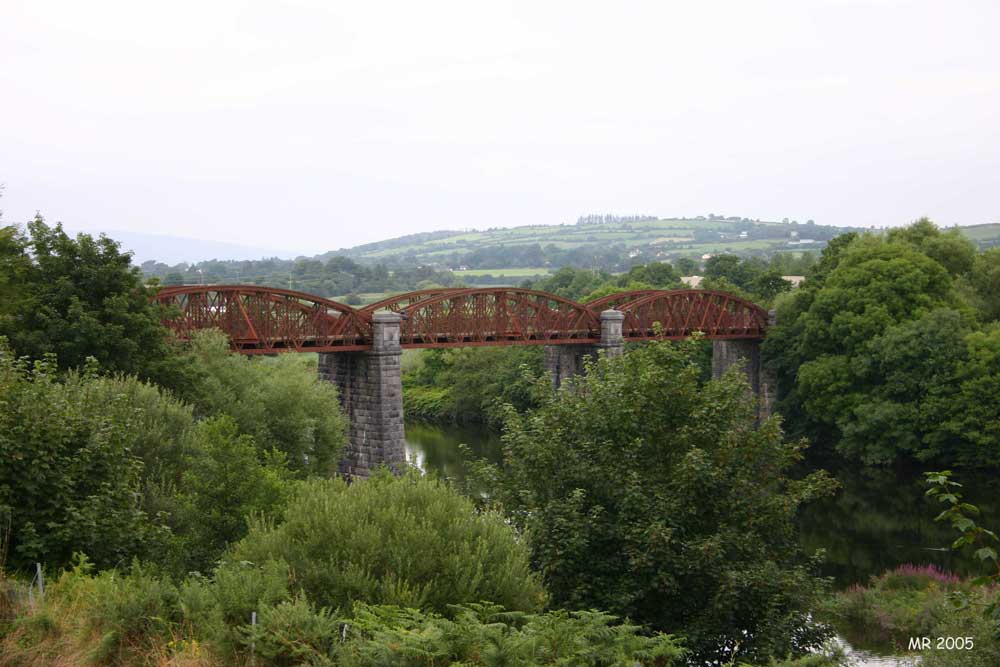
(371,392)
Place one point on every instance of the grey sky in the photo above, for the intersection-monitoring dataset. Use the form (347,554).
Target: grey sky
(314,125)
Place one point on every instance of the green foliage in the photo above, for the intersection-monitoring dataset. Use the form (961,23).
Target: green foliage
(143,618)
(984,542)
(224,482)
(652,494)
(906,602)
(71,478)
(878,354)
(410,541)
(968,622)
(478,635)
(80,298)
(283,405)
(984,281)
(469,384)
(571,283)
(118,468)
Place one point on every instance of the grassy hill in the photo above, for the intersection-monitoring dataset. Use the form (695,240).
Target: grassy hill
(985,236)
(614,243)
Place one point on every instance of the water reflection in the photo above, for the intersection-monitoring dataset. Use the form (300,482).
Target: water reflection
(434,448)
(882,518)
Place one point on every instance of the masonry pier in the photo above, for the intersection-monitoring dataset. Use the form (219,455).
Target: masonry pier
(370,387)
(565,361)
(745,354)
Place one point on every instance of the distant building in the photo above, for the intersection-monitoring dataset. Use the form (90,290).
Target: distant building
(692,281)
(794,280)
(707,255)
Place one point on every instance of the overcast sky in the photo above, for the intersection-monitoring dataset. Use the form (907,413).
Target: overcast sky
(313,125)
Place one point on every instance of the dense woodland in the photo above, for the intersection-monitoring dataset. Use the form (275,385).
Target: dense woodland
(174,492)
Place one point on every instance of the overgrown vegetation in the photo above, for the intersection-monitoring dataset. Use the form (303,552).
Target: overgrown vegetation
(470,384)
(887,350)
(411,541)
(653,494)
(121,620)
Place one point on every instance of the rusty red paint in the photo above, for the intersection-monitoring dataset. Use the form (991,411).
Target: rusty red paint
(267,320)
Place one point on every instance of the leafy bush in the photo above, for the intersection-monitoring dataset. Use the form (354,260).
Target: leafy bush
(71,479)
(224,482)
(410,541)
(279,402)
(477,635)
(967,622)
(470,384)
(655,496)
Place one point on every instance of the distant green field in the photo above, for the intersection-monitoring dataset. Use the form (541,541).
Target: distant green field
(510,273)
(648,240)
(989,232)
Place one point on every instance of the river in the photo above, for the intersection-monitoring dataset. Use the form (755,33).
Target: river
(879,519)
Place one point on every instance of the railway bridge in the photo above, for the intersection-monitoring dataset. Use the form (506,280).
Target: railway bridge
(360,348)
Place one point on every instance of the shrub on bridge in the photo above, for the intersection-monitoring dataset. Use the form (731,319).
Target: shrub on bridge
(411,541)
(652,493)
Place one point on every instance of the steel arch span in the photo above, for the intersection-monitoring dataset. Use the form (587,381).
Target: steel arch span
(266,320)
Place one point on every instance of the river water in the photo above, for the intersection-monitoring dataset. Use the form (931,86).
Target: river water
(879,519)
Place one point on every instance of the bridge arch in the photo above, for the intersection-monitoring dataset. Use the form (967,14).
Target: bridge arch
(265,320)
(675,314)
(495,316)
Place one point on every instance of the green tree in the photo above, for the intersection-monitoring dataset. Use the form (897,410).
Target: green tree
(842,361)
(280,402)
(80,298)
(224,483)
(653,494)
(469,384)
(71,479)
(173,278)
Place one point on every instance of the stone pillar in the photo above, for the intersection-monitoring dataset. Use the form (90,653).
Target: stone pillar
(371,392)
(746,355)
(565,361)
(612,340)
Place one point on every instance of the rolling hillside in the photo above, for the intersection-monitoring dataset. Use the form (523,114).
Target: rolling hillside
(609,244)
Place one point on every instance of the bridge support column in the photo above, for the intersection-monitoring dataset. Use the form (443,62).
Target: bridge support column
(746,355)
(371,393)
(612,340)
(565,361)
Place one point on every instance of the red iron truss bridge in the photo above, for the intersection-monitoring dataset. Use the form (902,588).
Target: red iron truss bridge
(268,320)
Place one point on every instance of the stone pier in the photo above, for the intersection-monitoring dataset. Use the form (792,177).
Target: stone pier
(745,354)
(566,361)
(371,392)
